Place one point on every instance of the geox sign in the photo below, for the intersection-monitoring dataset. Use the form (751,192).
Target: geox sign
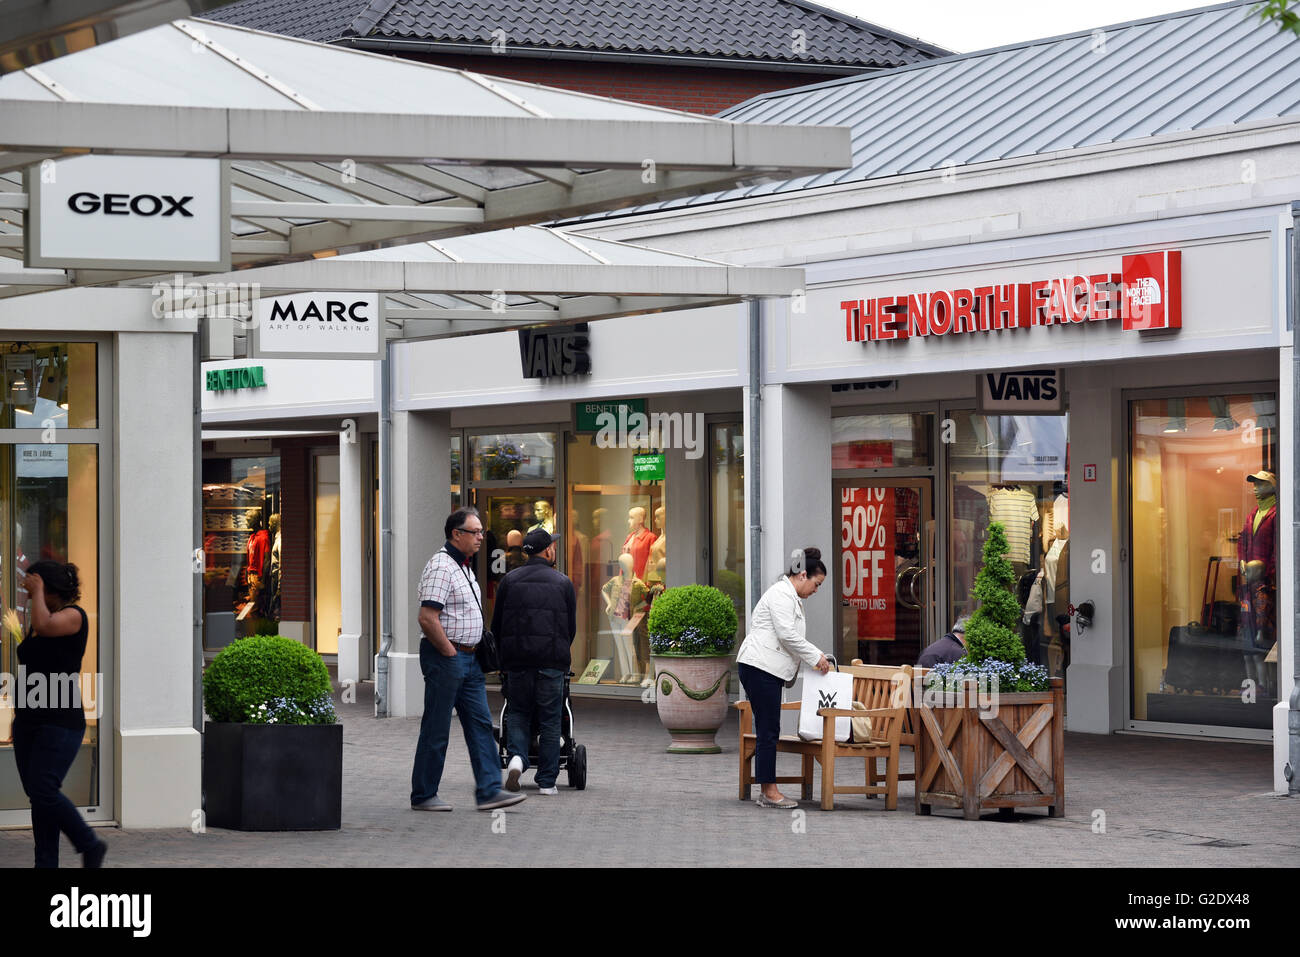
(1035,392)
(554,352)
(128,212)
(333,325)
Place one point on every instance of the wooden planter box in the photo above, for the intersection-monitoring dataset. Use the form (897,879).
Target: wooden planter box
(260,777)
(1007,758)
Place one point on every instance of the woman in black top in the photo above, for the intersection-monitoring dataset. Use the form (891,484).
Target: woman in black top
(48,728)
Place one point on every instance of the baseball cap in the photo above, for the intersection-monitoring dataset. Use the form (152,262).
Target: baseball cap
(1268,478)
(538,540)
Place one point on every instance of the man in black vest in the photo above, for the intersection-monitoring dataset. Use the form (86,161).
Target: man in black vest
(534,621)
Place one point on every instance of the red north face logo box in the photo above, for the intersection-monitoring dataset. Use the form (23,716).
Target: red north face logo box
(1153,291)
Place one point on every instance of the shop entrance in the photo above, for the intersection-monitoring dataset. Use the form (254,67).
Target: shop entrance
(508,514)
(884,569)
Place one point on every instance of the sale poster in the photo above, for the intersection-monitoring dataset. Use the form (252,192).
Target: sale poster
(867,559)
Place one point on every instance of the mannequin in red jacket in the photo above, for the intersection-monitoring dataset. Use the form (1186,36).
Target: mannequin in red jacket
(1257,556)
(638,541)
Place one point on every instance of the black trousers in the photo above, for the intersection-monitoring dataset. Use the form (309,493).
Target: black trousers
(764,693)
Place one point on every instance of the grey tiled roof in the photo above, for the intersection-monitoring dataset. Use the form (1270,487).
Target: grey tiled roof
(1204,69)
(739,29)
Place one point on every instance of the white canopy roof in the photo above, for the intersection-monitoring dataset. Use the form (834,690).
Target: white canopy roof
(334,149)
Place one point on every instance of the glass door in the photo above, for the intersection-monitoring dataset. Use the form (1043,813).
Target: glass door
(508,515)
(884,571)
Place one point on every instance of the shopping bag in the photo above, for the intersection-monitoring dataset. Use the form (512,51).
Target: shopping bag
(831,690)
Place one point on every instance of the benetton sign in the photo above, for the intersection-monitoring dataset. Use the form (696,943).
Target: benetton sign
(221,380)
(128,212)
(1145,295)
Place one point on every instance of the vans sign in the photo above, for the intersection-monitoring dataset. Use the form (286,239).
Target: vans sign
(553,352)
(128,212)
(336,325)
(1035,392)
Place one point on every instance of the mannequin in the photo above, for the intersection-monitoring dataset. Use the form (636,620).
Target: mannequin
(515,549)
(273,582)
(544,515)
(658,560)
(638,541)
(1257,563)
(625,604)
(1017,509)
(259,544)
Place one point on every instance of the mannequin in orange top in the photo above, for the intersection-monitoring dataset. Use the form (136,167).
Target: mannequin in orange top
(638,541)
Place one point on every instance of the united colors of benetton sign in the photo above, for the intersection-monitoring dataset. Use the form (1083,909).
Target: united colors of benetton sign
(1145,295)
(128,212)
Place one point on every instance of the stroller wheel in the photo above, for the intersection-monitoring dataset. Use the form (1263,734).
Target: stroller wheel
(578,768)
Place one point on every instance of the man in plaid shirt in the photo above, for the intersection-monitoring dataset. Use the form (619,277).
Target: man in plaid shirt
(451,618)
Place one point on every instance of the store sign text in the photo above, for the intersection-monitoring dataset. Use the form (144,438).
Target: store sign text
(338,325)
(221,380)
(1144,296)
(120,204)
(550,353)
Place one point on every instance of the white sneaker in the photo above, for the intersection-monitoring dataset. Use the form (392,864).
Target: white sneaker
(548,790)
(513,770)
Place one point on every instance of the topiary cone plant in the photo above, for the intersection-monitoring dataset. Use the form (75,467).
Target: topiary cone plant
(991,633)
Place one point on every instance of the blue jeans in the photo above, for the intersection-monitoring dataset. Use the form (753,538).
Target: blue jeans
(44,753)
(454,683)
(764,693)
(536,695)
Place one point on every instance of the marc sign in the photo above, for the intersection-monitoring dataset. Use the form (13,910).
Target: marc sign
(318,324)
(1145,295)
(128,212)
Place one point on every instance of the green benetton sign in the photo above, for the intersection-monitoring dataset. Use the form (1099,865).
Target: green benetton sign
(648,468)
(219,380)
(587,413)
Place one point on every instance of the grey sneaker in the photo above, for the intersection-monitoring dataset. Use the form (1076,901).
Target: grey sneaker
(513,770)
(500,799)
(550,790)
(434,803)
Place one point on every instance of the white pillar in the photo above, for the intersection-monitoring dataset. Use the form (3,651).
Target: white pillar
(1286,570)
(157,760)
(421,502)
(1098,700)
(354,658)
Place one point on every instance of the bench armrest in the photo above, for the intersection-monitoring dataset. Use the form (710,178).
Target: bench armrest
(847,713)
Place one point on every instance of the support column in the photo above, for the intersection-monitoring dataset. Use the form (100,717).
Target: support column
(157,749)
(354,659)
(1286,569)
(1098,700)
(421,503)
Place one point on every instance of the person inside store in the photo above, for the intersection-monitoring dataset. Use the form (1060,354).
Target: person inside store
(1257,566)
(769,659)
(947,649)
(535,621)
(451,620)
(48,734)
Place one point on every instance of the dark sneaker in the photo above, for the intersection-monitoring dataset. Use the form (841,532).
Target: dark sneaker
(95,856)
(434,803)
(500,799)
(513,770)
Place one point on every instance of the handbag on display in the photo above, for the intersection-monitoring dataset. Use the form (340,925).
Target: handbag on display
(831,690)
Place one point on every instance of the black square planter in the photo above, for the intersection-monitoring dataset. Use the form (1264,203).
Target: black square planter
(268,777)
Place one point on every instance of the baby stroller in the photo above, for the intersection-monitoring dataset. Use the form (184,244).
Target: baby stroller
(573,756)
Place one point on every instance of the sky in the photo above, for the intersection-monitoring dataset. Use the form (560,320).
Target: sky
(966,25)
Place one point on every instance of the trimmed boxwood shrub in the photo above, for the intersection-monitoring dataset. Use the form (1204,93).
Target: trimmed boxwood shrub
(692,620)
(268,679)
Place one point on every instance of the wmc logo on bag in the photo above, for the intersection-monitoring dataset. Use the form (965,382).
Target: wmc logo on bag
(824,691)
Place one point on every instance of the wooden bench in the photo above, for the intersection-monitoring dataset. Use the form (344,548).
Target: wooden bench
(908,737)
(885,690)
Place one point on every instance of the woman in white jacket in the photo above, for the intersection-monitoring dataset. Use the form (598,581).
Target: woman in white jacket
(769,657)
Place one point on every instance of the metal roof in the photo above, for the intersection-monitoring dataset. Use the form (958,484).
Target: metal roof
(745,29)
(513,278)
(335,149)
(1200,69)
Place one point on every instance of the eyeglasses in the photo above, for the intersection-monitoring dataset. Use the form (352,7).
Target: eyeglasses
(476,532)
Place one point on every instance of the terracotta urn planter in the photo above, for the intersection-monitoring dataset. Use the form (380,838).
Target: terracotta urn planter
(691,697)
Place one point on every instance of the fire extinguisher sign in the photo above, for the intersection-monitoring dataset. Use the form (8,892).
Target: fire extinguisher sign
(867,558)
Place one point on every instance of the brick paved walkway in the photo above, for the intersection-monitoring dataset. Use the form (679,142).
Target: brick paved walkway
(1166,803)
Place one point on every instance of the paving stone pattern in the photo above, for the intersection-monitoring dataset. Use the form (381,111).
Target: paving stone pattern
(1167,803)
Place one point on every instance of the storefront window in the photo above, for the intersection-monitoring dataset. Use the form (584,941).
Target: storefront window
(616,553)
(727,490)
(1013,470)
(521,455)
(329,601)
(1203,481)
(455,473)
(49,505)
(48,384)
(241,545)
(881,441)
